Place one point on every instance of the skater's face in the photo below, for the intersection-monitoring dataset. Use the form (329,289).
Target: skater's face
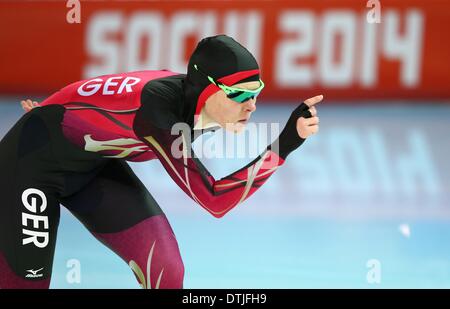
(230,115)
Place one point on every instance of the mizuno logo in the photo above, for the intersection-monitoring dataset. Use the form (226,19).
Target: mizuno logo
(34,273)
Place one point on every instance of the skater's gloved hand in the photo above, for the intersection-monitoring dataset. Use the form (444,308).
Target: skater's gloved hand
(28,105)
(302,123)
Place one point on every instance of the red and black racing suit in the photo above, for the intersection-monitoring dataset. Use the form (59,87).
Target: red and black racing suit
(72,151)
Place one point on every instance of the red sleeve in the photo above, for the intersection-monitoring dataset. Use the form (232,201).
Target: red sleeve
(216,196)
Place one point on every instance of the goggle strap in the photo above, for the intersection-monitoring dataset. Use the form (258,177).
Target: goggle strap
(230,90)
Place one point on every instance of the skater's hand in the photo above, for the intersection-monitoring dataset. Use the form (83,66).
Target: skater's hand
(302,123)
(28,105)
(308,122)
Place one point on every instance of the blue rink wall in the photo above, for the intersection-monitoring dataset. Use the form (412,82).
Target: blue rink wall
(363,204)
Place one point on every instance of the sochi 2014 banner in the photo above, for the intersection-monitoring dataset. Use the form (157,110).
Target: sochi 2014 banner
(348,49)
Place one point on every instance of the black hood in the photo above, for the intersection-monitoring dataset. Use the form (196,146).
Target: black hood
(222,58)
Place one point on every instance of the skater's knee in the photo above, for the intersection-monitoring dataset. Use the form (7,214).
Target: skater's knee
(161,267)
(30,279)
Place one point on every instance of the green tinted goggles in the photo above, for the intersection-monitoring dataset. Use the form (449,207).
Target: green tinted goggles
(238,95)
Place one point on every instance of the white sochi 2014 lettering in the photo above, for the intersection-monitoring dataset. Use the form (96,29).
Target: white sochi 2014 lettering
(165,38)
(113,85)
(347,50)
(35,202)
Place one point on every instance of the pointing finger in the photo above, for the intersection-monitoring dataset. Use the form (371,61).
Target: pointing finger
(314,100)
